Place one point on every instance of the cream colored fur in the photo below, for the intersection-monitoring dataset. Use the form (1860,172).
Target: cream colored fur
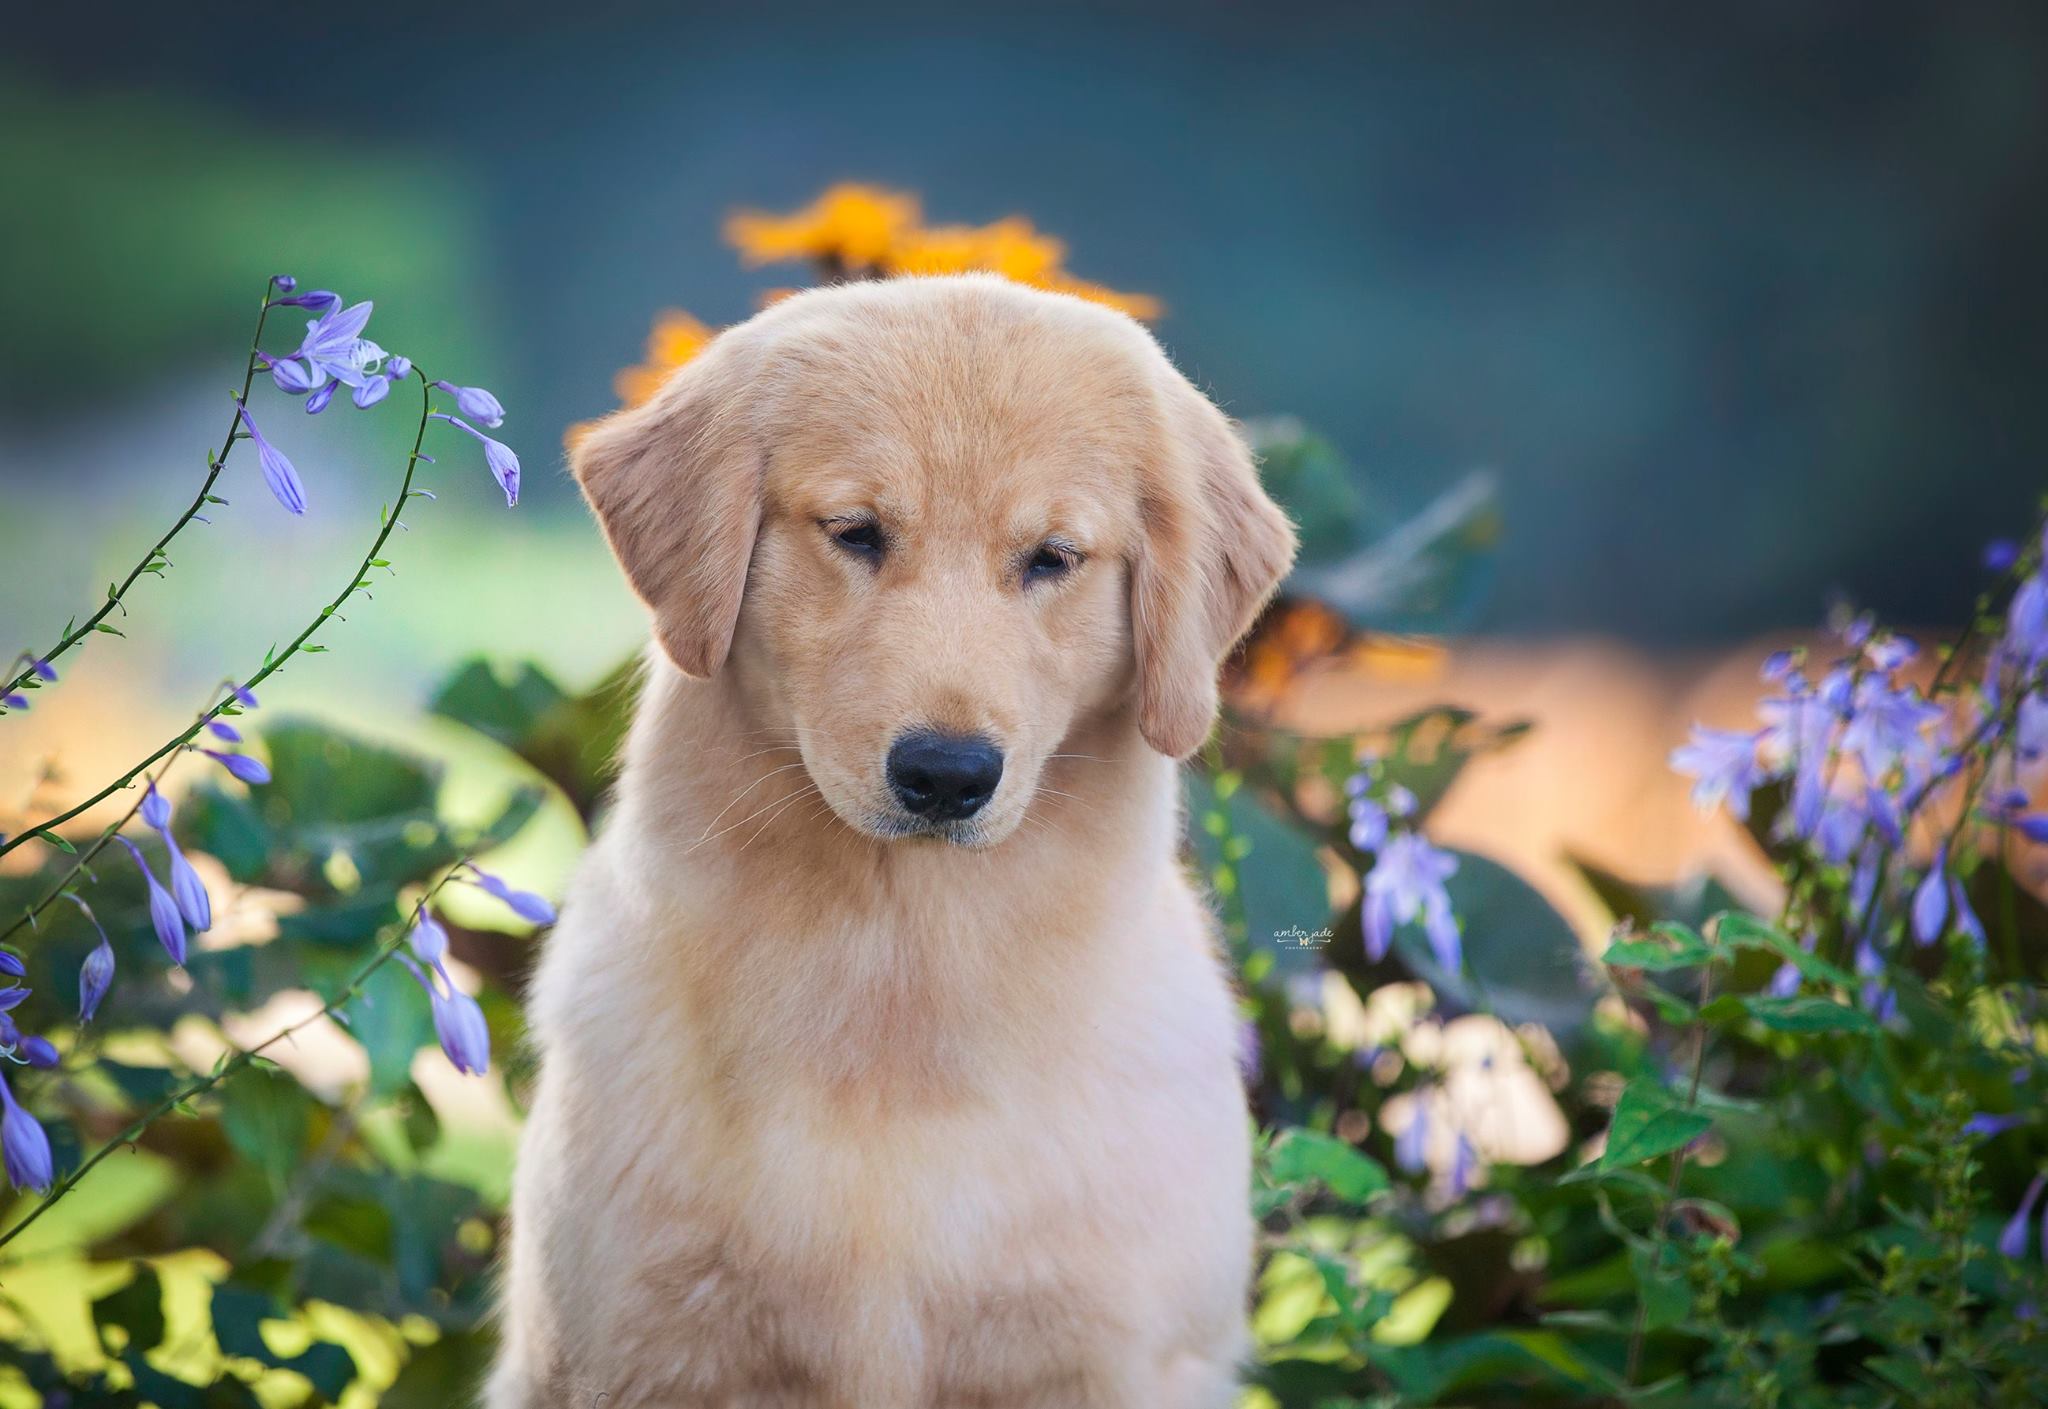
(834,1116)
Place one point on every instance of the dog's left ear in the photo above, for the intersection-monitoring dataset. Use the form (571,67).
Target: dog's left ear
(1214,548)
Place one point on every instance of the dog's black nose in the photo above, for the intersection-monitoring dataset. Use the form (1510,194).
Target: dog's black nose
(944,778)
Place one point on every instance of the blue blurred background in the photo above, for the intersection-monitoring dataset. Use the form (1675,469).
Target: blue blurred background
(1740,303)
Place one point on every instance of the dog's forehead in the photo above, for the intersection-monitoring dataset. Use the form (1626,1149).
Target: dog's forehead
(989,406)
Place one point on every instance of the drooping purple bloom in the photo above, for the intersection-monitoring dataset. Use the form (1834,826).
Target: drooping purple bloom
(14,700)
(319,300)
(11,965)
(460,1025)
(186,887)
(1464,1162)
(1723,764)
(2026,623)
(1889,726)
(39,1052)
(498,456)
(398,367)
(372,391)
(156,808)
(1778,666)
(475,403)
(284,282)
(224,731)
(26,1149)
(1967,922)
(12,996)
(2000,554)
(288,375)
(244,696)
(164,915)
(1930,900)
(322,395)
(249,770)
(1407,880)
(1785,982)
(2033,826)
(2013,1241)
(523,903)
(277,470)
(1888,653)
(43,669)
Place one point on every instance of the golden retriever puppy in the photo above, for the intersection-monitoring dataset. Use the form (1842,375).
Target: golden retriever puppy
(887,1060)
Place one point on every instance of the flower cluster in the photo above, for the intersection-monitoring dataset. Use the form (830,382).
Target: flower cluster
(334,354)
(458,1020)
(1873,770)
(1406,879)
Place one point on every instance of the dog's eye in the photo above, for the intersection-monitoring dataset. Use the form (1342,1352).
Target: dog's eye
(861,537)
(1049,561)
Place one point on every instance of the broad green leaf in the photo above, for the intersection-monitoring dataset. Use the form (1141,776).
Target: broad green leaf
(1307,1156)
(1742,931)
(1807,1015)
(1648,1123)
(138,1308)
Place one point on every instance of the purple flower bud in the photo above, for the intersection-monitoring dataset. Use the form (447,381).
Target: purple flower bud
(1967,922)
(241,765)
(319,300)
(1888,653)
(524,903)
(284,281)
(1368,824)
(1778,665)
(1400,802)
(465,1037)
(1930,901)
(164,914)
(25,1147)
(317,402)
(372,391)
(43,669)
(156,809)
(11,965)
(399,367)
(2013,1241)
(221,729)
(39,1052)
(95,977)
(1376,924)
(504,465)
(1785,982)
(277,470)
(1988,1127)
(1442,928)
(2033,826)
(14,701)
(475,403)
(244,696)
(11,997)
(188,890)
(429,940)
(2000,554)
(293,377)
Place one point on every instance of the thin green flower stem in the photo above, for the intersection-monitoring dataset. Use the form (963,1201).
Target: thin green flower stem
(275,662)
(215,464)
(98,844)
(1660,1235)
(242,1058)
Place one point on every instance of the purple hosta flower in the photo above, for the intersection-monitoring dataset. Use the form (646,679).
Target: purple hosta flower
(504,465)
(164,915)
(397,368)
(14,700)
(2000,554)
(1724,766)
(288,376)
(39,1052)
(1407,880)
(11,997)
(26,1149)
(465,1037)
(1880,1001)
(2030,728)
(475,403)
(249,770)
(277,470)
(1400,802)
(1967,923)
(1785,982)
(372,391)
(186,887)
(429,941)
(317,402)
(1930,900)
(1889,726)
(284,282)
(1368,824)
(1778,667)
(2026,623)
(1411,1146)
(1989,1127)
(1863,881)
(1888,653)
(1464,1162)
(2013,1241)
(524,903)
(11,965)
(243,695)
(95,977)
(224,731)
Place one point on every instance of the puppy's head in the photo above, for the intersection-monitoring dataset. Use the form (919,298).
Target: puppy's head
(930,526)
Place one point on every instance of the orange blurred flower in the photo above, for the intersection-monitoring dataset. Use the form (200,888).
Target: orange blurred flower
(851,226)
(675,339)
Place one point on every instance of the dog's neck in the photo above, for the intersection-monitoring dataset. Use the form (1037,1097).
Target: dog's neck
(718,802)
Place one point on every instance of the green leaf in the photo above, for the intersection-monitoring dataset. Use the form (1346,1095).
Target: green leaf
(1807,1015)
(54,840)
(267,1117)
(1307,1156)
(1743,931)
(1648,1123)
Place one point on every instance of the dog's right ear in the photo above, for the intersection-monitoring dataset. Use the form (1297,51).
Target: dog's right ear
(676,485)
